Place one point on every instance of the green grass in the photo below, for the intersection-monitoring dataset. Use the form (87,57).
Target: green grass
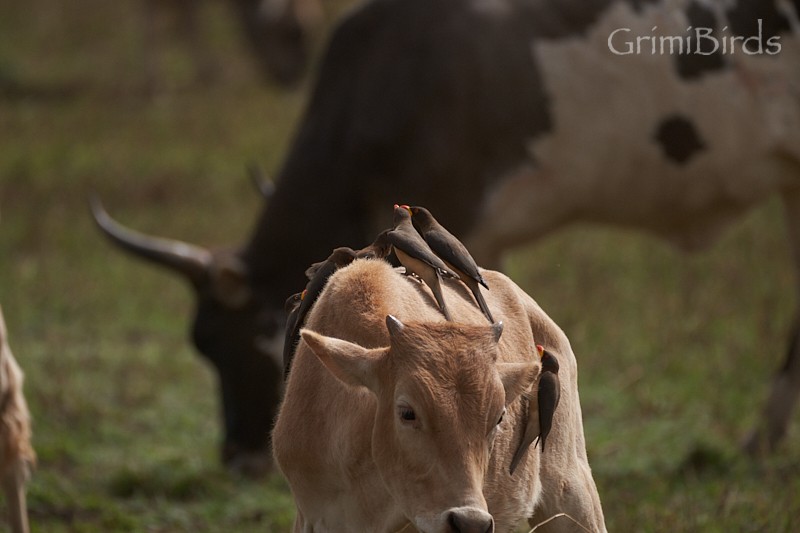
(675,355)
(675,351)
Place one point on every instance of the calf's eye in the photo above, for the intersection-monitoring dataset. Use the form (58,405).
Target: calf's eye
(499,420)
(407,414)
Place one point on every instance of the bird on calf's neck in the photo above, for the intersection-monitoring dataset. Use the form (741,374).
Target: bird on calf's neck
(549,393)
(540,422)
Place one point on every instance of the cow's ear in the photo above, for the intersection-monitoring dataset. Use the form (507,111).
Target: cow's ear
(352,364)
(517,378)
(230,281)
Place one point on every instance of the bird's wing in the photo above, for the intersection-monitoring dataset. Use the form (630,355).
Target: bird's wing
(379,248)
(311,271)
(453,251)
(290,340)
(417,248)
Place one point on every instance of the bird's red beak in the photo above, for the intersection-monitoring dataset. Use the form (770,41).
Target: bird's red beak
(540,349)
(404,206)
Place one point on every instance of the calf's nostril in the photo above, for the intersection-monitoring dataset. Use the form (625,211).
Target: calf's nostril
(470,521)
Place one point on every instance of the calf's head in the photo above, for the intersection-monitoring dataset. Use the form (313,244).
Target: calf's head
(441,393)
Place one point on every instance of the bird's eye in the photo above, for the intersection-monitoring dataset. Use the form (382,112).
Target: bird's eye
(406,413)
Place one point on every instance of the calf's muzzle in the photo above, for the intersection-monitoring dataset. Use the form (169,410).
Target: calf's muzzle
(469,520)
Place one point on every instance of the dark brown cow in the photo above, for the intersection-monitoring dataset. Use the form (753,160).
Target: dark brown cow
(509,119)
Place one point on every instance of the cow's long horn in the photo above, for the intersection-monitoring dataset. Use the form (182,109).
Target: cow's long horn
(186,259)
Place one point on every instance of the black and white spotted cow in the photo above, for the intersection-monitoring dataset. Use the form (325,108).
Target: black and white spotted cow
(679,145)
(509,119)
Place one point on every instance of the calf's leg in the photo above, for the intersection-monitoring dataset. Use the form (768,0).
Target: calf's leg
(14,488)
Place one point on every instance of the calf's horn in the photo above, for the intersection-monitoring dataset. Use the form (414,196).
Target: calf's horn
(186,259)
(394,325)
(497,329)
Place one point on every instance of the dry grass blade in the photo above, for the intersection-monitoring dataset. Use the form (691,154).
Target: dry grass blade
(559,515)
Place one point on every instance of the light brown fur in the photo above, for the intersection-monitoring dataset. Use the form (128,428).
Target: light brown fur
(16,452)
(349,462)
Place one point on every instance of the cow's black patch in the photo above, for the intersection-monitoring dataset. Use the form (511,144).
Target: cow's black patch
(679,139)
(695,64)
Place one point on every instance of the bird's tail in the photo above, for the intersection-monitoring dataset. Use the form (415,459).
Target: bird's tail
(436,289)
(476,290)
(516,459)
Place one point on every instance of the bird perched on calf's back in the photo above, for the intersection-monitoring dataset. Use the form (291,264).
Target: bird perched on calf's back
(379,249)
(320,272)
(540,422)
(292,307)
(298,305)
(453,252)
(416,256)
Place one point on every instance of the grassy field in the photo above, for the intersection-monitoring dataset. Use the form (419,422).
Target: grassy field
(675,352)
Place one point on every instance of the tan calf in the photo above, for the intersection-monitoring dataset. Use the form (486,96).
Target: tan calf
(16,453)
(395,419)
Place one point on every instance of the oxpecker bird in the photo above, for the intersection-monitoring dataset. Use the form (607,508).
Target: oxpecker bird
(416,256)
(452,252)
(549,393)
(339,257)
(379,249)
(292,307)
(540,422)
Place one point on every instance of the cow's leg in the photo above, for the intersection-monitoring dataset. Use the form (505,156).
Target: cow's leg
(774,420)
(300,525)
(14,488)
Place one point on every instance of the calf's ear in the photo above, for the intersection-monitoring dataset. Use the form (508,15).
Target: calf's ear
(517,378)
(350,363)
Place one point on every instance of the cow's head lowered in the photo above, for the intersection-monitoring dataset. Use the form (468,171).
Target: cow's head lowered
(440,396)
(232,329)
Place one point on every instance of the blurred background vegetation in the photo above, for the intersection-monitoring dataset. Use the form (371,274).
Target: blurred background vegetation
(675,352)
